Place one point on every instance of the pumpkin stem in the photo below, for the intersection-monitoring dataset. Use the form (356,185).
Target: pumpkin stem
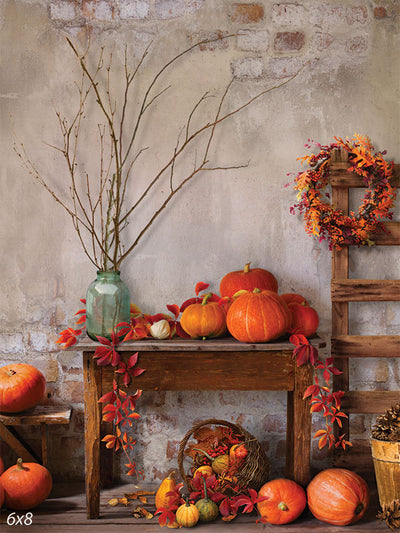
(247,267)
(359,509)
(283,507)
(206,298)
(20,466)
(256,291)
(205,489)
(204,453)
(11,372)
(172,475)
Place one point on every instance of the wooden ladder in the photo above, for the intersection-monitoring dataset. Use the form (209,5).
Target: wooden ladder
(344,290)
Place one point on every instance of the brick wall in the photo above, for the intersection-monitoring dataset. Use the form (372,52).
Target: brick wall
(271,41)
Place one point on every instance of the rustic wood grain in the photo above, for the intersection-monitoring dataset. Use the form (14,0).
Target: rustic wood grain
(17,444)
(340,269)
(366,346)
(340,177)
(392,238)
(92,388)
(176,371)
(365,290)
(193,345)
(41,414)
(298,443)
(369,402)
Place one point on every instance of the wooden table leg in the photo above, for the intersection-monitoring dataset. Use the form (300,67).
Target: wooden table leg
(92,385)
(43,434)
(298,433)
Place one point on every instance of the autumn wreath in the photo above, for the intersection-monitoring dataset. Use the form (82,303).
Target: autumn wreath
(323,219)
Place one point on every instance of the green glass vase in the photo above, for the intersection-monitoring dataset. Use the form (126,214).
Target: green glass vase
(107,304)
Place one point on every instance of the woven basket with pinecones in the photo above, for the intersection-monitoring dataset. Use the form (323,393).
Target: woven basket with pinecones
(386,455)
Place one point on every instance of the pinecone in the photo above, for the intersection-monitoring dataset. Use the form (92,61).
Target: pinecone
(391,514)
(387,426)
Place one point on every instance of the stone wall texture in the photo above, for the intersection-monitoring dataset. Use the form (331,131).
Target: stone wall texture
(222,219)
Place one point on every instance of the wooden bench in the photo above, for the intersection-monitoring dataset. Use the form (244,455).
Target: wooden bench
(41,415)
(178,365)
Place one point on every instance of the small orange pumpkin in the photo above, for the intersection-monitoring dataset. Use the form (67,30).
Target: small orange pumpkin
(167,485)
(305,319)
(25,485)
(22,386)
(338,496)
(292,297)
(247,279)
(285,501)
(258,317)
(204,320)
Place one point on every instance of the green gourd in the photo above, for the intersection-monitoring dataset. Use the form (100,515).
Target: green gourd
(208,510)
(219,464)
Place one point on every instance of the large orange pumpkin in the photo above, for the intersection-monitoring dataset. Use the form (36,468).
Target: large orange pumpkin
(204,320)
(258,316)
(305,319)
(247,279)
(22,386)
(338,496)
(25,485)
(285,501)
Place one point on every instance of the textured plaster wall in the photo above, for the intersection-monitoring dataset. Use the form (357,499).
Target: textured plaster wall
(222,219)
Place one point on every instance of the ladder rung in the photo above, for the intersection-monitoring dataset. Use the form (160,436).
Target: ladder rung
(365,290)
(366,346)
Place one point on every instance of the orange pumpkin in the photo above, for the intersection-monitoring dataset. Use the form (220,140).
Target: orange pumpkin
(258,317)
(247,279)
(285,501)
(204,471)
(204,320)
(25,485)
(22,386)
(305,319)
(292,297)
(338,496)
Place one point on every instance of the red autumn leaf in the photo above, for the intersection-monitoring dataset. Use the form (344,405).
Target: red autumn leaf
(188,302)
(133,360)
(109,397)
(181,332)
(298,339)
(174,309)
(201,286)
(81,312)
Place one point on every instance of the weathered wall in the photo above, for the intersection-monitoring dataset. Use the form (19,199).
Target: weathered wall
(222,219)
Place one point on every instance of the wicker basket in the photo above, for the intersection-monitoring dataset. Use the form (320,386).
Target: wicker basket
(256,468)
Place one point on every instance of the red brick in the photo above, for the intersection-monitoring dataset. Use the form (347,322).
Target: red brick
(322,41)
(101,10)
(218,43)
(289,40)
(380,13)
(357,14)
(359,43)
(247,13)
(274,424)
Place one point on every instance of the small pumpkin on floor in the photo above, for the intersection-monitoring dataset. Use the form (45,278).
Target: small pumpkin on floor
(208,510)
(26,485)
(187,514)
(284,501)
(338,496)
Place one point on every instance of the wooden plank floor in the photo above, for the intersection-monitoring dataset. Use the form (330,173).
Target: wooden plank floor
(65,511)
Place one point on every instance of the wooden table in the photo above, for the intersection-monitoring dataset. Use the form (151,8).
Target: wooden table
(220,364)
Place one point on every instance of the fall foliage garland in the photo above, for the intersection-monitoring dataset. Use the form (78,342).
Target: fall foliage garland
(325,220)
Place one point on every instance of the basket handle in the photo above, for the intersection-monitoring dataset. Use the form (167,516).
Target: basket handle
(195,427)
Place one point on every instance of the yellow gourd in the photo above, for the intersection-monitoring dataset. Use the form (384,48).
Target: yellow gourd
(167,485)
